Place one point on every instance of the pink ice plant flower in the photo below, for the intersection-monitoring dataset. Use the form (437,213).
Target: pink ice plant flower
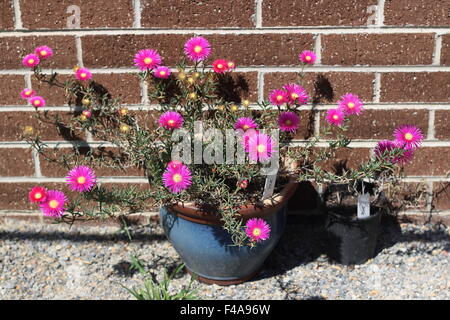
(335,117)
(278,97)
(288,121)
(257,229)
(174,164)
(385,148)
(81,179)
(147,59)
(171,120)
(178,179)
(162,72)
(44,52)
(408,136)
(37,194)
(245,123)
(54,204)
(27,93)
(220,66)
(37,101)
(307,57)
(296,94)
(83,74)
(260,147)
(197,48)
(31,60)
(350,104)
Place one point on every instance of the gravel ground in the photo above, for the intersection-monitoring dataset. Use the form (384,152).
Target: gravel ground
(39,261)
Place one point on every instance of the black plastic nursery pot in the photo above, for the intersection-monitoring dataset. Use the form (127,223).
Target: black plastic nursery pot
(351,240)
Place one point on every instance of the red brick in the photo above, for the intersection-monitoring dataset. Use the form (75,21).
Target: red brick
(110,157)
(325,87)
(415,87)
(176,14)
(122,48)
(6,15)
(445,50)
(430,162)
(11,86)
(417,12)
(125,86)
(345,159)
(377,49)
(53,95)
(442,124)
(407,196)
(12,125)
(380,124)
(18,47)
(16,162)
(43,14)
(441,196)
(316,13)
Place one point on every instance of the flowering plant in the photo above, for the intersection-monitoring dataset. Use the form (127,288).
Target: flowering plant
(197,102)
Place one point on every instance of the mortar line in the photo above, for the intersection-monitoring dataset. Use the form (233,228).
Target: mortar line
(137,7)
(380,13)
(431,125)
(258,14)
(377,88)
(437,49)
(260,86)
(79,49)
(318,48)
(17,15)
(429,205)
(37,163)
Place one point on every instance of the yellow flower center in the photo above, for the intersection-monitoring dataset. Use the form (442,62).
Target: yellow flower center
(279,97)
(261,148)
(245,103)
(124,128)
(256,232)
(81,180)
(171,122)
(177,177)
(38,195)
(198,49)
(148,60)
(335,117)
(230,64)
(234,107)
(408,136)
(308,58)
(43,53)
(288,122)
(28,93)
(30,61)
(36,102)
(163,73)
(246,127)
(294,96)
(53,204)
(83,75)
(220,66)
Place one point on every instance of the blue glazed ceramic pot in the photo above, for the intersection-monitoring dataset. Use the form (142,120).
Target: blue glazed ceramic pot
(206,248)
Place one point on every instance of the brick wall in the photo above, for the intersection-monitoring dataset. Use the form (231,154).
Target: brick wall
(395,54)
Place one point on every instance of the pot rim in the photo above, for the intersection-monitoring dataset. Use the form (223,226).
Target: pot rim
(267,207)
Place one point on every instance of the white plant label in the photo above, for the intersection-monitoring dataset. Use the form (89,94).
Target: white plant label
(363,205)
(269,186)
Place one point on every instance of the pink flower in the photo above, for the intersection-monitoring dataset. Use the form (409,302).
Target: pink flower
(231,65)
(37,101)
(87,113)
(288,121)
(408,136)
(335,117)
(147,59)
(307,57)
(174,164)
(260,147)
(278,97)
(246,137)
(83,74)
(391,151)
(220,66)
(296,94)
(171,120)
(162,72)
(257,229)
(177,180)
(27,93)
(81,179)
(54,204)
(350,104)
(44,52)
(245,123)
(31,60)
(37,194)
(197,48)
